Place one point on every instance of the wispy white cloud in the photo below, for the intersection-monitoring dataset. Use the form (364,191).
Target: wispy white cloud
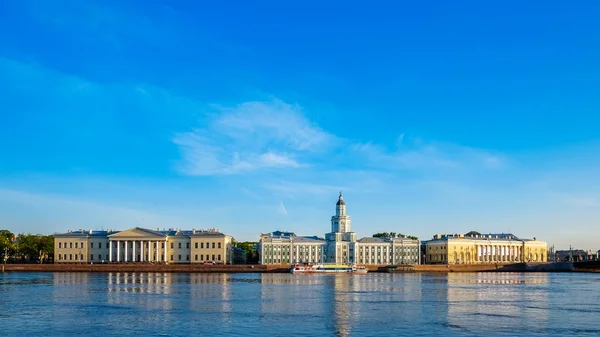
(248,137)
(419,155)
(282,208)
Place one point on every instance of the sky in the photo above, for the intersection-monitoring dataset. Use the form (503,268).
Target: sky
(252,116)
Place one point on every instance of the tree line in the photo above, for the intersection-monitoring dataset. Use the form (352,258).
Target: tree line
(248,247)
(394,235)
(26,248)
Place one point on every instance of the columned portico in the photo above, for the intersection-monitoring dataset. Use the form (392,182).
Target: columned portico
(140,245)
(165,250)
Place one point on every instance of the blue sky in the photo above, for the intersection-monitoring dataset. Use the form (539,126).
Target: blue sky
(251,117)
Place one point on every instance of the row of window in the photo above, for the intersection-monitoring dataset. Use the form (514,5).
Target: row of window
(202,246)
(77,244)
(81,245)
(70,257)
(187,257)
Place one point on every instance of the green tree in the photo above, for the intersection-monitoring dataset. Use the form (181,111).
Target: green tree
(248,247)
(7,248)
(37,248)
(394,235)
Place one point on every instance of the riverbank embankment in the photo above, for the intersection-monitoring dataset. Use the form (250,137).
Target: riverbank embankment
(201,268)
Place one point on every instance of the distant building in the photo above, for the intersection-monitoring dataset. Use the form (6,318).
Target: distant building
(339,246)
(576,255)
(239,256)
(286,248)
(142,245)
(475,247)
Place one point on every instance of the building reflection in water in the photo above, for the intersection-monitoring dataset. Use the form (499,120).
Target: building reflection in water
(212,293)
(495,302)
(285,297)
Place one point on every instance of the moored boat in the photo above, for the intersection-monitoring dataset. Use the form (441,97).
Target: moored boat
(328,268)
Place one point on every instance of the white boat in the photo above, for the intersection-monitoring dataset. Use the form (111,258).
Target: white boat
(328,268)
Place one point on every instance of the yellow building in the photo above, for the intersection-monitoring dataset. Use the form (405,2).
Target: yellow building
(475,247)
(143,245)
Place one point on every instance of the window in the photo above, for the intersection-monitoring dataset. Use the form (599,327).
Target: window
(187,257)
(59,256)
(213,246)
(92,245)
(187,245)
(213,257)
(81,257)
(70,244)
(75,244)
(219,257)
(70,256)
(99,245)
(107,257)
(219,245)
(196,245)
(202,245)
(91,257)
(100,257)
(75,257)
(196,257)
(202,257)
(180,245)
(179,258)
(171,257)
(162,245)
(81,245)
(60,245)
(171,245)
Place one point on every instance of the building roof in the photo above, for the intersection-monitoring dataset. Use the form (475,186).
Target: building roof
(85,233)
(374,240)
(157,232)
(340,200)
(279,234)
(473,235)
(308,239)
(384,240)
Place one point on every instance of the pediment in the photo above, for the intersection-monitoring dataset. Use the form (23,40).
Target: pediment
(137,233)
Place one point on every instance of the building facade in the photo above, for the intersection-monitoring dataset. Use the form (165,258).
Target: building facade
(339,246)
(140,245)
(475,247)
(288,248)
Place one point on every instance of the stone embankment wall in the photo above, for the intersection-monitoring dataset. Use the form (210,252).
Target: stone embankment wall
(134,267)
(191,268)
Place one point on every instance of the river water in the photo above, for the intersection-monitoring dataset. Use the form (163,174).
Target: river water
(164,304)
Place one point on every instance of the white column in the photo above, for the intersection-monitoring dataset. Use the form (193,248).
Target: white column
(133,258)
(110,244)
(118,251)
(166,250)
(142,251)
(156,250)
(126,248)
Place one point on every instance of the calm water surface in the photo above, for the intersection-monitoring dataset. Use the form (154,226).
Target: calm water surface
(163,304)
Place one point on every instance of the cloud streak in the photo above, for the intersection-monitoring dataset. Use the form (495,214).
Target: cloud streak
(248,137)
(282,209)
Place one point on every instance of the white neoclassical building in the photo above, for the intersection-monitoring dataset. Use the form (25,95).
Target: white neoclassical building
(339,246)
